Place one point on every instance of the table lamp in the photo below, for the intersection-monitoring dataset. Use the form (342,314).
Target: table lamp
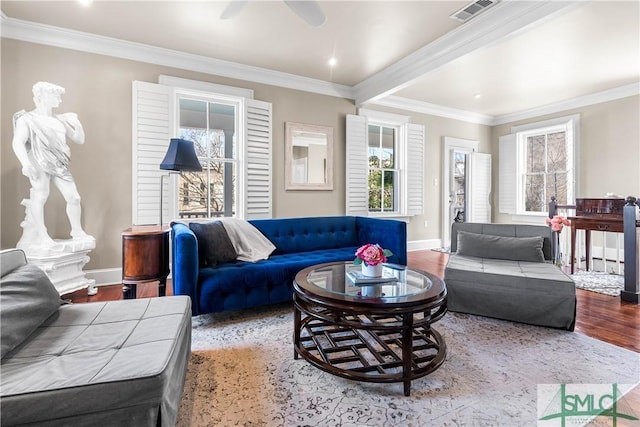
(181,156)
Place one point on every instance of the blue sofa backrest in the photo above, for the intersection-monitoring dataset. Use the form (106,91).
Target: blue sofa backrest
(291,235)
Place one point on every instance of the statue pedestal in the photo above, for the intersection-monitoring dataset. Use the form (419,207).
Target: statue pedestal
(64,263)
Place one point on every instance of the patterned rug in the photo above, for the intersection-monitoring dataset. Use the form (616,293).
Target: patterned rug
(598,281)
(242,373)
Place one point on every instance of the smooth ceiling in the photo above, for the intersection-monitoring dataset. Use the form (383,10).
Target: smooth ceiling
(586,48)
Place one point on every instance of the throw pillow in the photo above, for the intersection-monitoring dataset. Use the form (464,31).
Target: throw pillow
(27,298)
(501,247)
(214,245)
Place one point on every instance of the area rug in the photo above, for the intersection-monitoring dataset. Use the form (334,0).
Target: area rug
(598,281)
(242,373)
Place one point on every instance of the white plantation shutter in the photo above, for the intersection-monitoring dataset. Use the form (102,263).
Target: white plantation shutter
(152,129)
(508,171)
(479,191)
(415,166)
(357,190)
(258,199)
(571,139)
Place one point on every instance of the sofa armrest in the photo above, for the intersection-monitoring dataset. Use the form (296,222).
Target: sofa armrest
(185,259)
(388,233)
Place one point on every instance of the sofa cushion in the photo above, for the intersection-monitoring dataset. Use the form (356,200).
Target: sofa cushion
(529,292)
(500,247)
(214,245)
(27,298)
(244,284)
(102,364)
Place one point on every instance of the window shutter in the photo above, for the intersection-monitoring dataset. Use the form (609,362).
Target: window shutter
(571,141)
(508,174)
(479,191)
(151,125)
(258,198)
(357,191)
(415,166)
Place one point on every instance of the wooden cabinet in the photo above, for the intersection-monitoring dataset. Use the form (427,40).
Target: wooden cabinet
(145,257)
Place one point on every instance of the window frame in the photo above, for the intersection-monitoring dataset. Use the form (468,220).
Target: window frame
(400,123)
(396,199)
(237,162)
(153,125)
(569,124)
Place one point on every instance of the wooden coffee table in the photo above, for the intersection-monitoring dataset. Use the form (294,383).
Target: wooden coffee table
(384,338)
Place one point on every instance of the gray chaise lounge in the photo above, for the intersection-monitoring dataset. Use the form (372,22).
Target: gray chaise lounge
(117,363)
(505,271)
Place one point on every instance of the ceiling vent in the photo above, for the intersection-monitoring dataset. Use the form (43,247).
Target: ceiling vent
(472,9)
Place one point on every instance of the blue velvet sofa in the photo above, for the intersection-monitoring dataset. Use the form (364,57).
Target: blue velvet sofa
(299,242)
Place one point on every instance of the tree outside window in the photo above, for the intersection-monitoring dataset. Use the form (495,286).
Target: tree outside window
(546,170)
(211,192)
(383,170)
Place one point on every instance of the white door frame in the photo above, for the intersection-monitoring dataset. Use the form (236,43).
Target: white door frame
(450,144)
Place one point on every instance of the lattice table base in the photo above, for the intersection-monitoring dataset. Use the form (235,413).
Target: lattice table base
(372,348)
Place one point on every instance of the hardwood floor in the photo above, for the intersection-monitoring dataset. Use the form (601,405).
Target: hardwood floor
(599,316)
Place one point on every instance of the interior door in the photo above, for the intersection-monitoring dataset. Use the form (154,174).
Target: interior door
(454,183)
(458,186)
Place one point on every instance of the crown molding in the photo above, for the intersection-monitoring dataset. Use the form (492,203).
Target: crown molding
(86,42)
(503,19)
(407,104)
(433,109)
(570,104)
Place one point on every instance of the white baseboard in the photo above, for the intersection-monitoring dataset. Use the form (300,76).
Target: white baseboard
(419,245)
(105,276)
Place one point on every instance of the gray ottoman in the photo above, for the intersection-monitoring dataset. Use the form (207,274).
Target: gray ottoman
(108,363)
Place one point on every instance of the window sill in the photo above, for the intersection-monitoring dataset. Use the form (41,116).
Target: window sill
(530,218)
(391,215)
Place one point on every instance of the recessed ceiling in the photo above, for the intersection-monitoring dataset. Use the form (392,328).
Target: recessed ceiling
(579,50)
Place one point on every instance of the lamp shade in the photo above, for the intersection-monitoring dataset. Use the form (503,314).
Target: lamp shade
(181,156)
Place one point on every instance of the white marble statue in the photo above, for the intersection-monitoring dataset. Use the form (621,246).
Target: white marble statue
(39,142)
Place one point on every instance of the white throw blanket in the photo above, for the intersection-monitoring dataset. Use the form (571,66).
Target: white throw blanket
(250,244)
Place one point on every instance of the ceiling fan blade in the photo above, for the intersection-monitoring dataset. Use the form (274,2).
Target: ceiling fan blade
(233,8)
(309,10)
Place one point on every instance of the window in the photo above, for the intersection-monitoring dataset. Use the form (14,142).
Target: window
(211,125)
(537,161)
(384,165)
(232,133)
(546,168)
(383,169)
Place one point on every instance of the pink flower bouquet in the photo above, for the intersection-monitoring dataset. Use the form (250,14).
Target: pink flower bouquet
(371,254)
(557,222)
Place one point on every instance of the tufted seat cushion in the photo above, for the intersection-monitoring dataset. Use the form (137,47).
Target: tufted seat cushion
(241,284)
(537,293)
(109,363)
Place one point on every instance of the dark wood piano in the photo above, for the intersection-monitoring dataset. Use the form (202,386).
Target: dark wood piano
(595,215)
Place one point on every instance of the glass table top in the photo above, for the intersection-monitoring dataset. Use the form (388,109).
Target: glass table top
(344,279)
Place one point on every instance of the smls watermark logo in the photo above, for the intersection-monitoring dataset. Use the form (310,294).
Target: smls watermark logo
(573,405)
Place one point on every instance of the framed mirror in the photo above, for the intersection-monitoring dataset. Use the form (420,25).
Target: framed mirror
(308,157)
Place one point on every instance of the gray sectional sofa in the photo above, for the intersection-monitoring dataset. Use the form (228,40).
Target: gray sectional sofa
(116,363)
(506,271)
